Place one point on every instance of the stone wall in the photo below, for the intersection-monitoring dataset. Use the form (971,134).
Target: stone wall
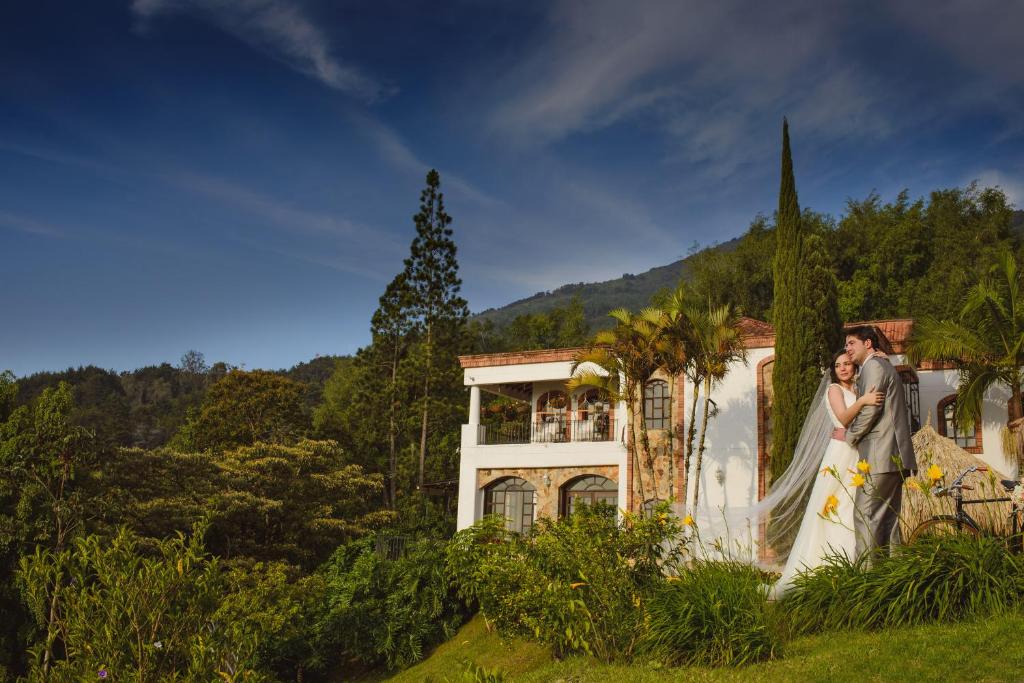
(547,494)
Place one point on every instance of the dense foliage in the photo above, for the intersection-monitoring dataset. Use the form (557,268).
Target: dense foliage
(387,611)
(116,612)
(577,584)
(712,614)
(935,579)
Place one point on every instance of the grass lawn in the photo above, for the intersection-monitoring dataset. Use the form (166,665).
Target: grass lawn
(989,650)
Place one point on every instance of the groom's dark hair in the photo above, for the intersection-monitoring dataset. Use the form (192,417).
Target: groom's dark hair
(865,333)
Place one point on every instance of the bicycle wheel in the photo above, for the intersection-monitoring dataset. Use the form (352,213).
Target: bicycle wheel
(943,526)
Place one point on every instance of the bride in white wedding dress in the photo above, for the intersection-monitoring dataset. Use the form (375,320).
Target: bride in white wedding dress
(827,524)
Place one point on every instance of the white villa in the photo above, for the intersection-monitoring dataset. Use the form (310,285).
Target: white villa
(558,450)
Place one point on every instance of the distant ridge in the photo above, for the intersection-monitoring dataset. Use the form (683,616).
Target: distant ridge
(629,291)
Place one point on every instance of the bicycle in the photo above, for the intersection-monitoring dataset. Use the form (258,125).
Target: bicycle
(961,521)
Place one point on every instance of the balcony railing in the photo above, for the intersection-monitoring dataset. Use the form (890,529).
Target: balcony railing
(549,429)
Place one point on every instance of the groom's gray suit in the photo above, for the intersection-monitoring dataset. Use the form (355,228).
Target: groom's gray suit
(881,434)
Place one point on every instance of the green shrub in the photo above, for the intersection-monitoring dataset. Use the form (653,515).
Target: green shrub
(577,584)
(387,611)
(934,580)
(712,614)
(104,606)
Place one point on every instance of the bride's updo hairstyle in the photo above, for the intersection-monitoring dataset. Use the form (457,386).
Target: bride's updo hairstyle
(832,366)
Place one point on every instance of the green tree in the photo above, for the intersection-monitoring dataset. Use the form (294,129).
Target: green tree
(985,341)
(243,408)
(628,355)
(391,329)
(435,308)
(129,615)
(42,453)
(797,350)
(739,274)
(556,328)
(292,503)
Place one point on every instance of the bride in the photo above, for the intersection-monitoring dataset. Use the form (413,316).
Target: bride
(812,500)
(827,525)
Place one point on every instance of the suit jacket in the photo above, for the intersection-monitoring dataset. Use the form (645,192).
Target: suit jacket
(881,434)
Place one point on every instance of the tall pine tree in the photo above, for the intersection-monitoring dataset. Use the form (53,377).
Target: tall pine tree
(436,309)
(391,329)
(804,313)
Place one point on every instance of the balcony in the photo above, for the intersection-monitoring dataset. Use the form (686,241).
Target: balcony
(560,427)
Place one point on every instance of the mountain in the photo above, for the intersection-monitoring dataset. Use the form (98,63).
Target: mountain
(629,291)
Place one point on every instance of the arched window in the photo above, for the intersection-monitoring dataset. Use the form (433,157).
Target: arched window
(967,437)
(593,420)
(514,498)
(552,423)
(656,404)
(589,490)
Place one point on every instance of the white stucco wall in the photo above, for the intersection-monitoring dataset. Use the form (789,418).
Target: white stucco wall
(729,471)
(729,475)
(473,457)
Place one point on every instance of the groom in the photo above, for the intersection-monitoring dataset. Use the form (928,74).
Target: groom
(881,434)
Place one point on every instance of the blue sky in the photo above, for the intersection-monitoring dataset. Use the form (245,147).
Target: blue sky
(239,176)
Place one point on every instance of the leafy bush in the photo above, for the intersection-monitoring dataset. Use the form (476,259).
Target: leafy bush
(578,584)
(105,607)
(712,614)
(934,580)
(387,611)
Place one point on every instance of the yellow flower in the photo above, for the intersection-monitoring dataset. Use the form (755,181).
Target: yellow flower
(857,481)
(688,520)
(914,484)
(864,466)
(831,469)
(935,473)
(831,504)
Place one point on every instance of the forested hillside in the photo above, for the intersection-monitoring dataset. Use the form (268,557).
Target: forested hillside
(741,266)
(629,291)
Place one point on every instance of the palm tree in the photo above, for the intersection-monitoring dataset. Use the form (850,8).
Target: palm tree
(715,344)
(985,341)
(629,355)
(679,352)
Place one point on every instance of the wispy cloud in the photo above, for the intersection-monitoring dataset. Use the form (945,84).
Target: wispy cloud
(709,75)
(312,236)
(29,225)
(270,210)
(281,29)
(398,154)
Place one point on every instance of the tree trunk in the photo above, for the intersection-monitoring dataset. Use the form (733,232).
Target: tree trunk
(426,404)
(392,428)
(648,460)
(671,438)
(700,448)
(691,433)
(633,444)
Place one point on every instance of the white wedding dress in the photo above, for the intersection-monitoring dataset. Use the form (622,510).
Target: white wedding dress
(822,534)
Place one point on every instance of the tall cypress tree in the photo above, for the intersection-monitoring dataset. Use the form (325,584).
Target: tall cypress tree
(798,341)
(436,309)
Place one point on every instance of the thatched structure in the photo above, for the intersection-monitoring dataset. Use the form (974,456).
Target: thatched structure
(919,504)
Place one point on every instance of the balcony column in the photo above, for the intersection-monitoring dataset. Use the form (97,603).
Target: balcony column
(474,405)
